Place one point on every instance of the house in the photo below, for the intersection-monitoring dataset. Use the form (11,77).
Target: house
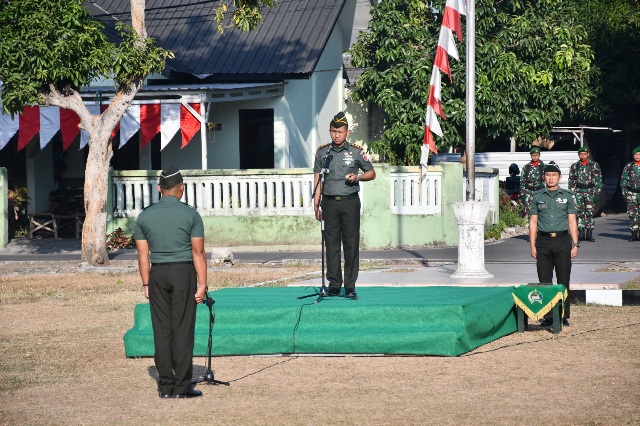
(236,100)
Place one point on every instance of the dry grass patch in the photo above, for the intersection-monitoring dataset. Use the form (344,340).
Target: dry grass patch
(62,362)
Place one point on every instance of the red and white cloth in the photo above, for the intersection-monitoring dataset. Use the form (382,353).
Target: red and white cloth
(150,119)
(451,24)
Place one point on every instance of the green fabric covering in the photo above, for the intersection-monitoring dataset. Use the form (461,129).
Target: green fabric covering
(536,301)
(446,321)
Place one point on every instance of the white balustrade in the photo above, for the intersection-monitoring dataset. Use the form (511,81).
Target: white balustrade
(412,193)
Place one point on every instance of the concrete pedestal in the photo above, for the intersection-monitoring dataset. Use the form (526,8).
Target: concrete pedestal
(471,216)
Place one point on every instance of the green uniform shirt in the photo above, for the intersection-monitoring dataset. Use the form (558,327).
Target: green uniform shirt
(552,209)
(168,227)
(342,161)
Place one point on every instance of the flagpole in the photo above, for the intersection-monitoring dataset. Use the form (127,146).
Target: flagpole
(471,100)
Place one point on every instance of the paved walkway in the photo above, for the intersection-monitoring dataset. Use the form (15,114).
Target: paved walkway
(608,263)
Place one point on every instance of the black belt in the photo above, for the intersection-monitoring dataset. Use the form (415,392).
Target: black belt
(553,234)
(342,197)
(185,262)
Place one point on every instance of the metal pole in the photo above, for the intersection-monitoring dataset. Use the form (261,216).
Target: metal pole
(471,100)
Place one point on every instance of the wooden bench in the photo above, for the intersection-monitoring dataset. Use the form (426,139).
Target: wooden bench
(53,223)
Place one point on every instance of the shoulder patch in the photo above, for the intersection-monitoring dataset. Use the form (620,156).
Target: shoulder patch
(357,147)
(324,146)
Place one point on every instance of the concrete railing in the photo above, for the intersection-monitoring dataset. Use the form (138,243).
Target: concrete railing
(400,208)
(218,194)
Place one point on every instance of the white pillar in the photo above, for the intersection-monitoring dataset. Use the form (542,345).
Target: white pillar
(471,216)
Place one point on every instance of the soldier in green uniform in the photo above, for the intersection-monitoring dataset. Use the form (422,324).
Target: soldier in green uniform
(532,177)
(585,182)
(630,184)
(337,203)
(170,243)
(553,232)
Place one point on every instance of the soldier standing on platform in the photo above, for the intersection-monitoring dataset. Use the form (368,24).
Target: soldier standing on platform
(532,177)
(553,233)
(340,206)
(585,182)
(630,184)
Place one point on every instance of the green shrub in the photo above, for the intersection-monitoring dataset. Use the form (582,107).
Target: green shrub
(118,240)
(511,214)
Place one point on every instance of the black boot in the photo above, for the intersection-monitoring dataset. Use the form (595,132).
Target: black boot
(580,234)
(589,236)
(635,236)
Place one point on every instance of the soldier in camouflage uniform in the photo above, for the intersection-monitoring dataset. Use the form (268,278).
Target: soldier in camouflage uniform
(630,184)
(532,177)
(585,181)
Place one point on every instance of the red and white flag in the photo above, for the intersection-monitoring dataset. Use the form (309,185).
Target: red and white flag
(451,23)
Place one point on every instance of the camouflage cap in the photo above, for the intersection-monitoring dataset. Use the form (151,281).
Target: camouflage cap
(583,148)
(535,150)
(339,120)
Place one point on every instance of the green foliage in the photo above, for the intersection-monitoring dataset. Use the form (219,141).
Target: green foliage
(57,42)
(614,34)
(246,14)
(119,240)
(511,214)
(533,68)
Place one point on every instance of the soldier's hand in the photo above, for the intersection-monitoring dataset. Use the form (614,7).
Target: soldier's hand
(318,212)
(574,251)
(534,253)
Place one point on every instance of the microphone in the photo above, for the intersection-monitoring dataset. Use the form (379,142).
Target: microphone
(327,160)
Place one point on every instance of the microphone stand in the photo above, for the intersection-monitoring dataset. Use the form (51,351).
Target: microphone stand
(323,172)
(209,377)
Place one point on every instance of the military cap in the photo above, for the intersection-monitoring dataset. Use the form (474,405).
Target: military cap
(637,150)
(339,120)
(583,148)
(170,177)
(535,150)
(552,167)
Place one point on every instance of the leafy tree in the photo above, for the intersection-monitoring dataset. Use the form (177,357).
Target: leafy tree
(533,68)
(49,49)
(614,34)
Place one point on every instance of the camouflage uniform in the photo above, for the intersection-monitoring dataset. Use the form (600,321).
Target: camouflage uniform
(531,180)
(585,182)
(630,185)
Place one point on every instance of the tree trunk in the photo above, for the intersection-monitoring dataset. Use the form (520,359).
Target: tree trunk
(96,186)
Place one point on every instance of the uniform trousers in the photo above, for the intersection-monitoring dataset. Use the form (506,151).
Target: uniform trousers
(173,317)
(342,228)
(555,253)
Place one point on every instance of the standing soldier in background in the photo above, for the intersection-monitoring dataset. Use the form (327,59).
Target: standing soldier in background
(585,181)
(630,184)
(532,177)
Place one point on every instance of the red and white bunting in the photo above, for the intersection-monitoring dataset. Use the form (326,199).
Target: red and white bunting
(451,23)
(149,119)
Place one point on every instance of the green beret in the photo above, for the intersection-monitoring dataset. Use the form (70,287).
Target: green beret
(637,150)
(583,149)
(534,150)
(339,120)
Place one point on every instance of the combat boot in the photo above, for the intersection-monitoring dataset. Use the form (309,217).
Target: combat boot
(589,236)
(580,234)
(635,236)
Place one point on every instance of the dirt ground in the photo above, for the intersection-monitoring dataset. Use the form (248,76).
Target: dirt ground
(62,362)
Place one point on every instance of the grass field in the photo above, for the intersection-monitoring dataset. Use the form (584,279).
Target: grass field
(62,362)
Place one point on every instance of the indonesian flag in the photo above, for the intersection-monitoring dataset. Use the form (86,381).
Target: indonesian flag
(446,47)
